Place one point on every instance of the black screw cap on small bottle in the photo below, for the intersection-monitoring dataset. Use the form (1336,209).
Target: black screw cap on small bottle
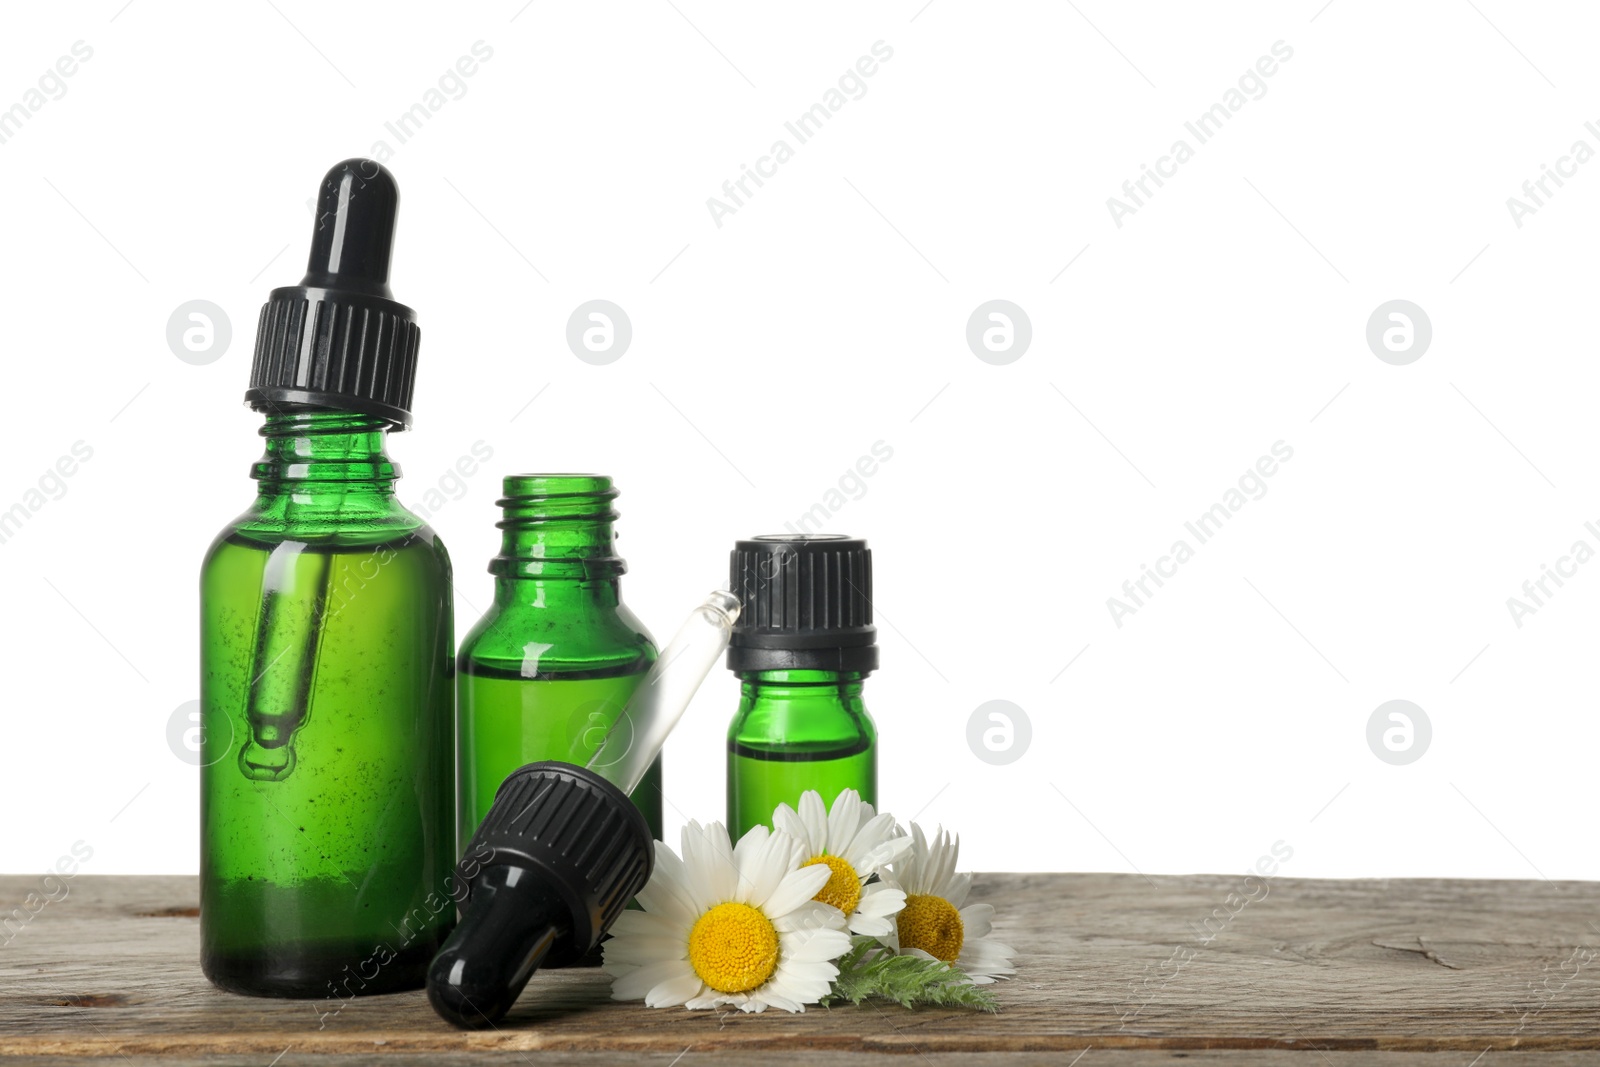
(339,339)
(807,604)
(554,863)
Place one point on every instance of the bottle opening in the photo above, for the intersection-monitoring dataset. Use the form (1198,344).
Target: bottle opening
(558,489)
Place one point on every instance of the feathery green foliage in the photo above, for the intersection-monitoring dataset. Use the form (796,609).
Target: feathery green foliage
(870,970)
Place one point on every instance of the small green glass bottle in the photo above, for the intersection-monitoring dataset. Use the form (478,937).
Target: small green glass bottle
(326,637)
(801,647)
(552,664)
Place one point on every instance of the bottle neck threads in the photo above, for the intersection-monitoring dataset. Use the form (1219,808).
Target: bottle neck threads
(313,450)
(558,526)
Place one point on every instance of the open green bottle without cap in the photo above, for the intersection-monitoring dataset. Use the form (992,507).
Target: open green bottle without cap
(326,838)
(553,663)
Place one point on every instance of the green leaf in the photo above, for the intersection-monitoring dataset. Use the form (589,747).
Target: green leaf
(870,970)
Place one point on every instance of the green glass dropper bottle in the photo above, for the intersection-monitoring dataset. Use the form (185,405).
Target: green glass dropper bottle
(552,664)
(326,636)
(801,647)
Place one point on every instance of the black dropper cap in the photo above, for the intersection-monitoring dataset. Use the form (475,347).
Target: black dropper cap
(339,339)
(807,604)
(557,859)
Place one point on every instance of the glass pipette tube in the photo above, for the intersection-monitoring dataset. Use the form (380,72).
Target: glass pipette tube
(635,739)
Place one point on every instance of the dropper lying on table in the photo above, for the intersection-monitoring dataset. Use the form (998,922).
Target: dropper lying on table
(563,849)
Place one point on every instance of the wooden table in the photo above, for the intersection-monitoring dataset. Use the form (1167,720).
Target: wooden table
(1135,970)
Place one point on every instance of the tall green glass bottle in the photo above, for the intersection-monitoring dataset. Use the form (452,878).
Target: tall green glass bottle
(801,647)
(552,664)
(326,681)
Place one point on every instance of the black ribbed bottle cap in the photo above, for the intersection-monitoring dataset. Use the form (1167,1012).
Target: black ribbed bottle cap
(556,860)
(338,339)
(581,834)
(807,604)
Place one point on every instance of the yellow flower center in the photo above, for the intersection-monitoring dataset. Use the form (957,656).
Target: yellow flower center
(933,925)
(843,888)
(733,948)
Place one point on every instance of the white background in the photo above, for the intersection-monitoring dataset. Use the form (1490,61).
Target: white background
(829,313)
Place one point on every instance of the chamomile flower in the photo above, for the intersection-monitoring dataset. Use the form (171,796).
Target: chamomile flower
(933,923)
(728,925)
(853,843)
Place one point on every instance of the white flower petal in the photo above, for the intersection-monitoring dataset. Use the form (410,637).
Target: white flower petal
(674,991)
(708,999)
(983,976)
(788,820)
(785,988)
(871,925)
(988,950)
(634,923)
(802,851)
(618,970)
(908,869)
(753,839)
(796,888)
(708,863)
(727,871)
(634,951)
(880,899)
(975,962)
(817,946)
(977,920)
(762,867)
(798,988)
(812,915)
(667,893)
(793,971)
(794,1000)
(696,870)
(928,854)
(815,817)
(872,833)
(956,888)
(889,850)
(946,850)
(635,984)
(774,1000)
(844,819)
(985,958)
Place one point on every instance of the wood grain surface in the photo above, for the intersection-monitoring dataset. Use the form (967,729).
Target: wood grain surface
(1196,970)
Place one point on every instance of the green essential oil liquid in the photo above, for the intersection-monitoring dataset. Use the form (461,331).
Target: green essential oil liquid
(507,721)
(759,781)
(326,811)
